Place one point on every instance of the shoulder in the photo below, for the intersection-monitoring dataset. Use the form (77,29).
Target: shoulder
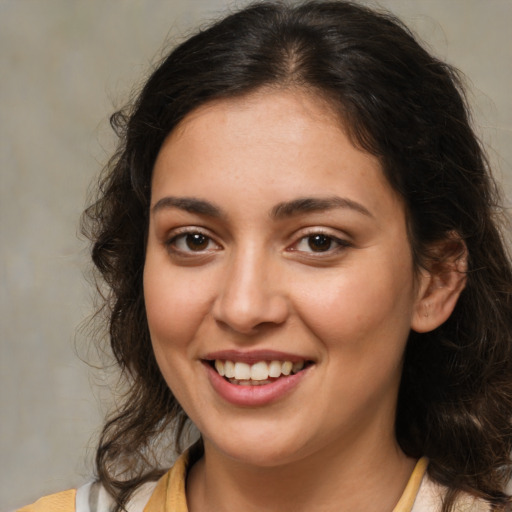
(91,497)
(59,502)
(151,496)
(430,498)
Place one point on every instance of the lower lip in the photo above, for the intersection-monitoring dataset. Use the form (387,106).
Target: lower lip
(253,396)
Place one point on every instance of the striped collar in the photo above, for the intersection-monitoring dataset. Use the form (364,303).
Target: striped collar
(170,496)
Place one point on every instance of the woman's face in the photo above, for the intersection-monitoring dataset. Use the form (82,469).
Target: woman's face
(275,243)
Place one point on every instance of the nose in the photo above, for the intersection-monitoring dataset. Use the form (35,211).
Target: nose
(250,296)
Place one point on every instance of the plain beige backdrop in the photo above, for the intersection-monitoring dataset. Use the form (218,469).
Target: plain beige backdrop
(66,64)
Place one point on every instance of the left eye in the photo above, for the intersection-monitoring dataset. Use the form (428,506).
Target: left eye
(192,242)
(318,242)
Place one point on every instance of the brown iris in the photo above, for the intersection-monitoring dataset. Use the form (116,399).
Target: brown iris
(196,241)
(319,243)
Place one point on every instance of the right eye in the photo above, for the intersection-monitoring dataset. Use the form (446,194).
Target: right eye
(192,242)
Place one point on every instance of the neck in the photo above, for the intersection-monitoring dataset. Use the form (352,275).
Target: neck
(369,477)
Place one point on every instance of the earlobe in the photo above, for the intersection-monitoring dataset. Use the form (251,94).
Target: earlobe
(441,284)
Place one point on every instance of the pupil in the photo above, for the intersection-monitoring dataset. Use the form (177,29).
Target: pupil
(196,241)
(319,243)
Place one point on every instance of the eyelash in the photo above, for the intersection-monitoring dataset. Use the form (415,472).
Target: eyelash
(339,243)
(182,236)
(201,236)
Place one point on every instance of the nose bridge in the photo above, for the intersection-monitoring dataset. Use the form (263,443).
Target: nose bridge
(250,294)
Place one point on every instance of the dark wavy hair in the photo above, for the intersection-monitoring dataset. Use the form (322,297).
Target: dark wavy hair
(400,104)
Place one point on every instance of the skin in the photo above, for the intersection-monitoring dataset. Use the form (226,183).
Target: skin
(255,283)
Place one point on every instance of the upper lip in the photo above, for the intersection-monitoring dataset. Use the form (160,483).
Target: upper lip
(253,356)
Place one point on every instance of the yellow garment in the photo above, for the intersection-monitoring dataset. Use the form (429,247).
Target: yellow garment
(60,502)
(406,501)
(169,494)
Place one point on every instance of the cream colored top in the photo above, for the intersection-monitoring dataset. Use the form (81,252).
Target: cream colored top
(168,495)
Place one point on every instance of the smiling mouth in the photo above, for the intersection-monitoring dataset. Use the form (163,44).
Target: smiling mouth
(257,374)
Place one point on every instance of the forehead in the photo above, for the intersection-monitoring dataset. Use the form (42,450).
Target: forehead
(279,145)
(278,102)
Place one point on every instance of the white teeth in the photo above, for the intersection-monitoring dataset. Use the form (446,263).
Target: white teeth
(261,371)
(219,366)
(286,369)
(229,369)
(242,371)
(274,369)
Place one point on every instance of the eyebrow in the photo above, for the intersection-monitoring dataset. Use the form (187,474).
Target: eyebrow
(316,204)
(280,211)
(188,204)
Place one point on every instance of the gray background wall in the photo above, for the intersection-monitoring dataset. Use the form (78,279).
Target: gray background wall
(65,66)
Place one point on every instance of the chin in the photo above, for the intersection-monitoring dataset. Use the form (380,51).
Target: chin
(263,448)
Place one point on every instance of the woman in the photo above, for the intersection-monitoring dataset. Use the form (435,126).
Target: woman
(299,234)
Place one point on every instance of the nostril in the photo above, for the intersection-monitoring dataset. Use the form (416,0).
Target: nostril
(249,302)
(252,322)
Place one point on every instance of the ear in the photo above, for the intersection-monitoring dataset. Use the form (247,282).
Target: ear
(440,283)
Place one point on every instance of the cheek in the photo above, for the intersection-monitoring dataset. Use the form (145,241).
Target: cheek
(175,312)
(176,304)
(366,308)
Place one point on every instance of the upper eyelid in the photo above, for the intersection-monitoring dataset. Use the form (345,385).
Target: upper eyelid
(334,233)
(184,230)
